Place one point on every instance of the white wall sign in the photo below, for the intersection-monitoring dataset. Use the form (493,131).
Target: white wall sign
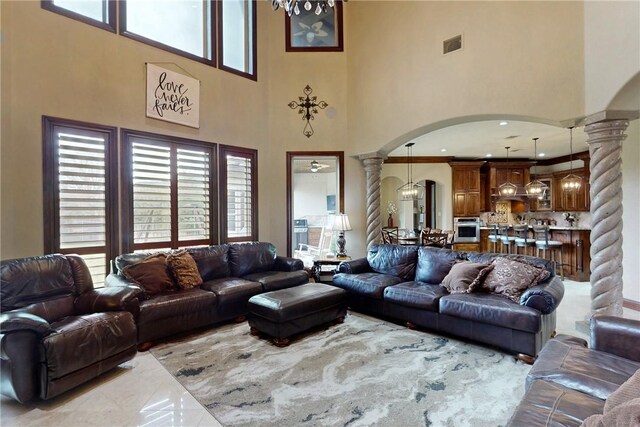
(172,97)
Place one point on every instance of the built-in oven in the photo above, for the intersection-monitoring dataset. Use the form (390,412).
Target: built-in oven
(467,229)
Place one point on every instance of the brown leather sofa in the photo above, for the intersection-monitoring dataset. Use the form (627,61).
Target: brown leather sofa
(570,382)
(56,330)
(231,274)
(403,283)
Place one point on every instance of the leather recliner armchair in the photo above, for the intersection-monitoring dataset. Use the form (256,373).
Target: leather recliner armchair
(56,330)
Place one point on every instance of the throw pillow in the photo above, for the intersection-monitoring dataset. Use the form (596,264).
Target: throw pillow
(463,274)
(510,278)
(184,269)
(622,407)
(151,274)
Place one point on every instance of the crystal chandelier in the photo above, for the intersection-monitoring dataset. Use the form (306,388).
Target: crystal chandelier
(535,188)
(507,189)
(293,6)
(571,181)
(410,191)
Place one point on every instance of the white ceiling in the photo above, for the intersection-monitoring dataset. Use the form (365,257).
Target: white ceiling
(476,140)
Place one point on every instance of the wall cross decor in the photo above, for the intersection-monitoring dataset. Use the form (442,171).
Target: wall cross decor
(308,106)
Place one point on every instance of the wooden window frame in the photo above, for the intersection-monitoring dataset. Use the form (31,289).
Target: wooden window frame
(110,25)
(127,236)
(254,42)
(51,191)
(253,155)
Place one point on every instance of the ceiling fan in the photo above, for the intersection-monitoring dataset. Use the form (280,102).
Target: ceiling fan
(315,166)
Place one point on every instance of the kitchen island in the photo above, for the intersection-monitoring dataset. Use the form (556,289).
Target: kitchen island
(576,248)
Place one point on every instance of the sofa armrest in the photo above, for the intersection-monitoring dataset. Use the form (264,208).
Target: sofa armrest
(616,335)
(114,298)
(360,265)
(545,297)
(20,321)
(288,264)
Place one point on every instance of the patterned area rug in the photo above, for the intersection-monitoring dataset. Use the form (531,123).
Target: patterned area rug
(365,371)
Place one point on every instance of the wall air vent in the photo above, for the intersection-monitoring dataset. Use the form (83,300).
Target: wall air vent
(452,44)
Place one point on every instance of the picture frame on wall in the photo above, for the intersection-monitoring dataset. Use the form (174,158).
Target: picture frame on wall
(308,32)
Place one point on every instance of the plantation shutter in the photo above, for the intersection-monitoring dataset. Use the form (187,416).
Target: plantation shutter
(239,194)
(151,194)
(76,189)
(194,222)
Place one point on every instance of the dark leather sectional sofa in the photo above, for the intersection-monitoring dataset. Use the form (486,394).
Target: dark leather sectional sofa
(570,382)
(402,282)
(231,274)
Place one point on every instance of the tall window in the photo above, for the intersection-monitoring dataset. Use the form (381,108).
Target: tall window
(239,191)
(100,13)
(237,37)
(169,192)
(79,192)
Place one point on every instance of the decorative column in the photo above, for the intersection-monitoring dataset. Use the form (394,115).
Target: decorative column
(605,146)
(373,168)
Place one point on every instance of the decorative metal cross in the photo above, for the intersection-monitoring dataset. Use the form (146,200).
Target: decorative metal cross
(308,106)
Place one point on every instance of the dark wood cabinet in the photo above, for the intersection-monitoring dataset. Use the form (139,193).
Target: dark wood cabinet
(466,188)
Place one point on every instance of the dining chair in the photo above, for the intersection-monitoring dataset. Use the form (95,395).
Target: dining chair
(435,239)
(390,235)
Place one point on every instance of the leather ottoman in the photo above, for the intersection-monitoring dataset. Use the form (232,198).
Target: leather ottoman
(286,312)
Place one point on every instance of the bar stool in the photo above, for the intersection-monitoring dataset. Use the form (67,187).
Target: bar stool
(541,234)
(522,239)
(507,241)
(494,237)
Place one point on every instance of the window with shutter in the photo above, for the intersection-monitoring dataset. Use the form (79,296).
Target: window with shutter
(169,192)
(239,190)
(77,192)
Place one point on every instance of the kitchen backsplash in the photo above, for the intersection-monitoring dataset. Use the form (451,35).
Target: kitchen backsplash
(503,215)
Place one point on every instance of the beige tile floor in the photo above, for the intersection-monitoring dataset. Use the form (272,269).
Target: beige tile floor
(142,393)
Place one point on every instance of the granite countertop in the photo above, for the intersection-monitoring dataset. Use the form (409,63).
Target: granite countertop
(552,227)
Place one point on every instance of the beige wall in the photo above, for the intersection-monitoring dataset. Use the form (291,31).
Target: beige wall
(631,207)
(392,83)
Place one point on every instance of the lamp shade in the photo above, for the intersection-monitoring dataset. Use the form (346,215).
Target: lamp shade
(341,223)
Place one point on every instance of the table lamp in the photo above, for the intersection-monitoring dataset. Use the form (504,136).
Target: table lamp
(341,224)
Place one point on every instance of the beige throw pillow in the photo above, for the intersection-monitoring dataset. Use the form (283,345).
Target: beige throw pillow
(510,278)
(622,407)
(464,275)
(184,269)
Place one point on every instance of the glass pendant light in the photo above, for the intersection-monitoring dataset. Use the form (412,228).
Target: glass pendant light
(572,181)
(508,189)
(410,191)
(535,188)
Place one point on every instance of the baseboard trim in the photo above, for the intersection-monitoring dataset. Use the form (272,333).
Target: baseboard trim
(631,305)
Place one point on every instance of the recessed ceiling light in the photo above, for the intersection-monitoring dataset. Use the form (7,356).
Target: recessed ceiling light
(541,155)
(489,155)
(443,150)
(503,123)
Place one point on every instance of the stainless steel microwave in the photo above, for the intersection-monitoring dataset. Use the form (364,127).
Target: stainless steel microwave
(467,229)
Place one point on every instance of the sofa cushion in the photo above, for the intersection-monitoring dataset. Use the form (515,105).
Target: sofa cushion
(394,260)
(510,278)
(212,261)
(371,285)
(30,280)
(253,257)
(80,341)
(232,289)
(549,404)
(491,309)
(435,263)
(570,364)
(176,303)
(463,275)
(415,294)
(152,274)
(184,269)
(274,280)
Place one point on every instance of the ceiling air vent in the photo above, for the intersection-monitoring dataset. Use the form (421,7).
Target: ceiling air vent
(452,44)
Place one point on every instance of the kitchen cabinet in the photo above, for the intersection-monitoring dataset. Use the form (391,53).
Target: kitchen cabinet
(466,188)
(545,202)
(499,173)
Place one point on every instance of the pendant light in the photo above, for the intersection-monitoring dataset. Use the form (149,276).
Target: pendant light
(572,181)
(410,191)
(535,188)
(508,189)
